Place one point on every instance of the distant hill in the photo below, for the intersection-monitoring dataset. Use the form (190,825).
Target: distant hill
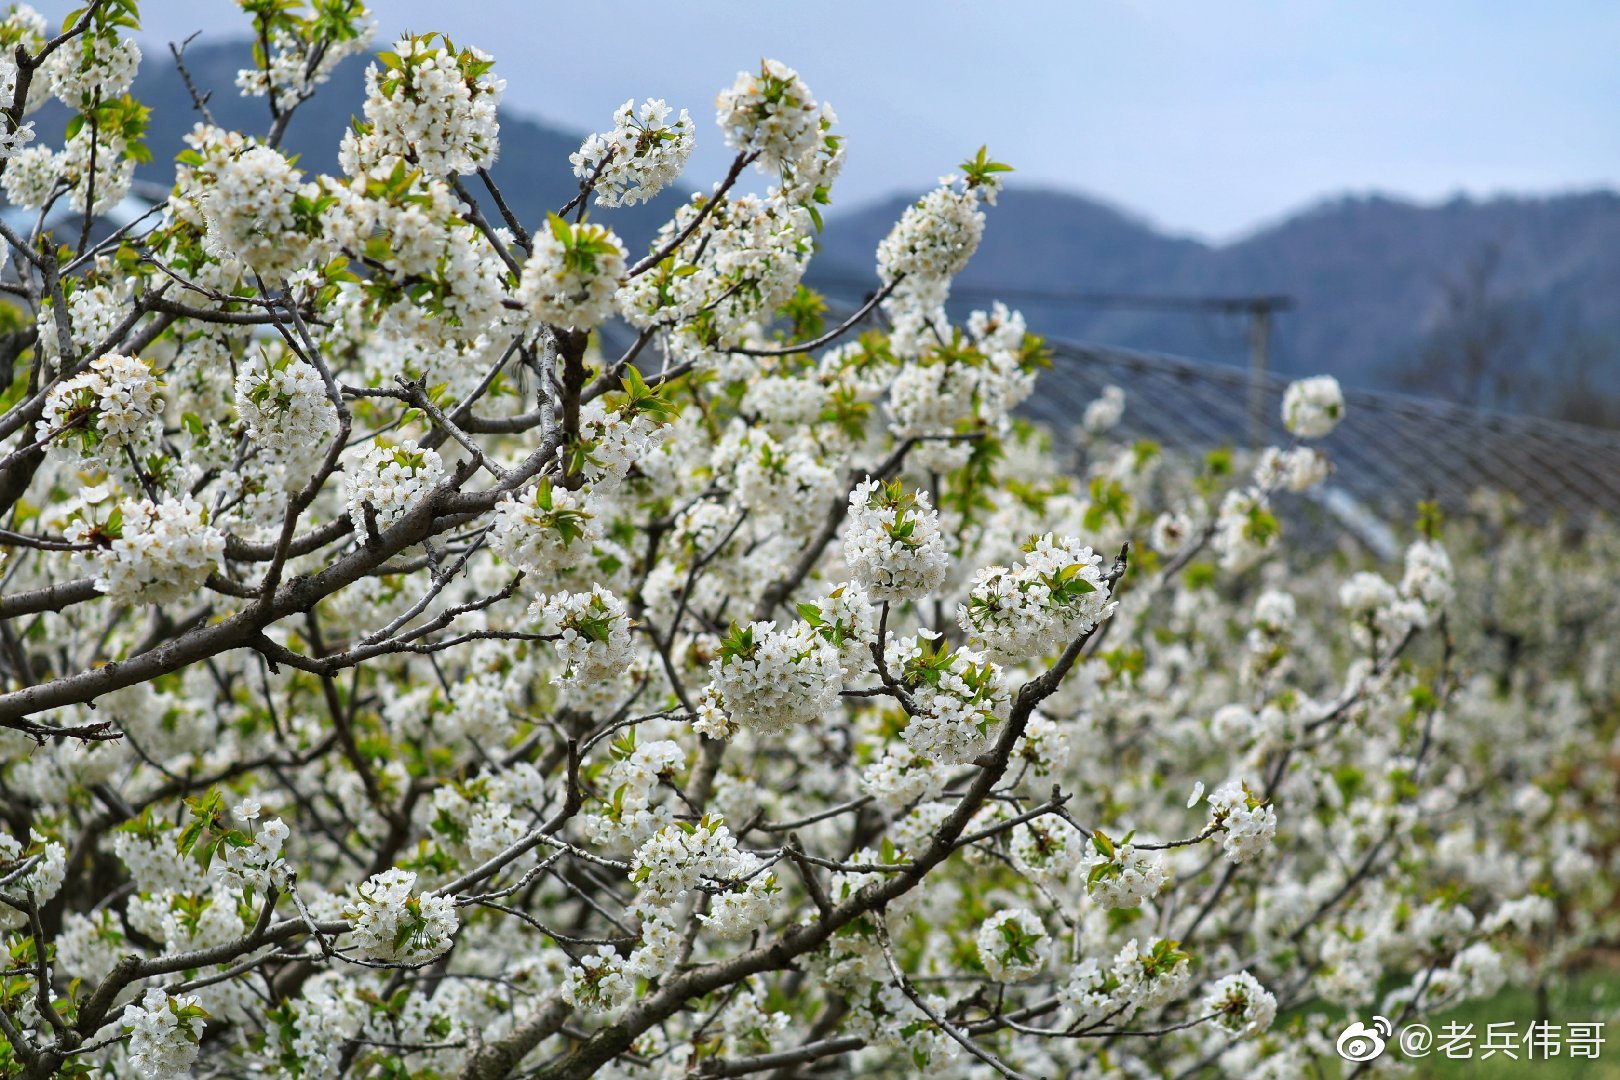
(1390,294)
(1508,302)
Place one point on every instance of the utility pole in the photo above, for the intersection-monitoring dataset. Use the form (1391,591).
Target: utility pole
(1259,347)
(1260,310)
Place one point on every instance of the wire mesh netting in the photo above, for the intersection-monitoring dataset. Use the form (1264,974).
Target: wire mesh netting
(1391,451)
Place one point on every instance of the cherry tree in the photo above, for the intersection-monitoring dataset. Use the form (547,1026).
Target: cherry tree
(400,682)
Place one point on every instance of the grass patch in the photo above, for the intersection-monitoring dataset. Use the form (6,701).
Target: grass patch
(1590,996)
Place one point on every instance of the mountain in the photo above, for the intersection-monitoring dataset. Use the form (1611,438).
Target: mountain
(1388,294)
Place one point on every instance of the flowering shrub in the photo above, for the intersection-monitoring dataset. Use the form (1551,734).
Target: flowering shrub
(399,682)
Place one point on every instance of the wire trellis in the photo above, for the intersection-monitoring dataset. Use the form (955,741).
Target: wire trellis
(1391,451)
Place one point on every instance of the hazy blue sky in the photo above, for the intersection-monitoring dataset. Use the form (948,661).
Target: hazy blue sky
(1205,116)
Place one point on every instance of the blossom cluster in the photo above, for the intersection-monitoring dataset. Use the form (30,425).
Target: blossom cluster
(285,405)
(111,407)
(592,632)
(153,553)
(1247,825)
(681,858)
(254,212)
(892,543)
(385,481)
(930,244)
(934,239)
(1241,1003)
(100,64)
(1122,877)
(789,484)
(1313,407)
(394,923)
(771,680)
(543,529)
(643,153)
(1010,944)
(1053,595)
(431,104)
(300,54)
(572,275)
(770,113)
(747,257)
(958,699)
(164,1032)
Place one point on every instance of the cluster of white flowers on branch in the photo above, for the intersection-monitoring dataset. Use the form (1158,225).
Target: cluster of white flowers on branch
(639,157)
(395,683)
